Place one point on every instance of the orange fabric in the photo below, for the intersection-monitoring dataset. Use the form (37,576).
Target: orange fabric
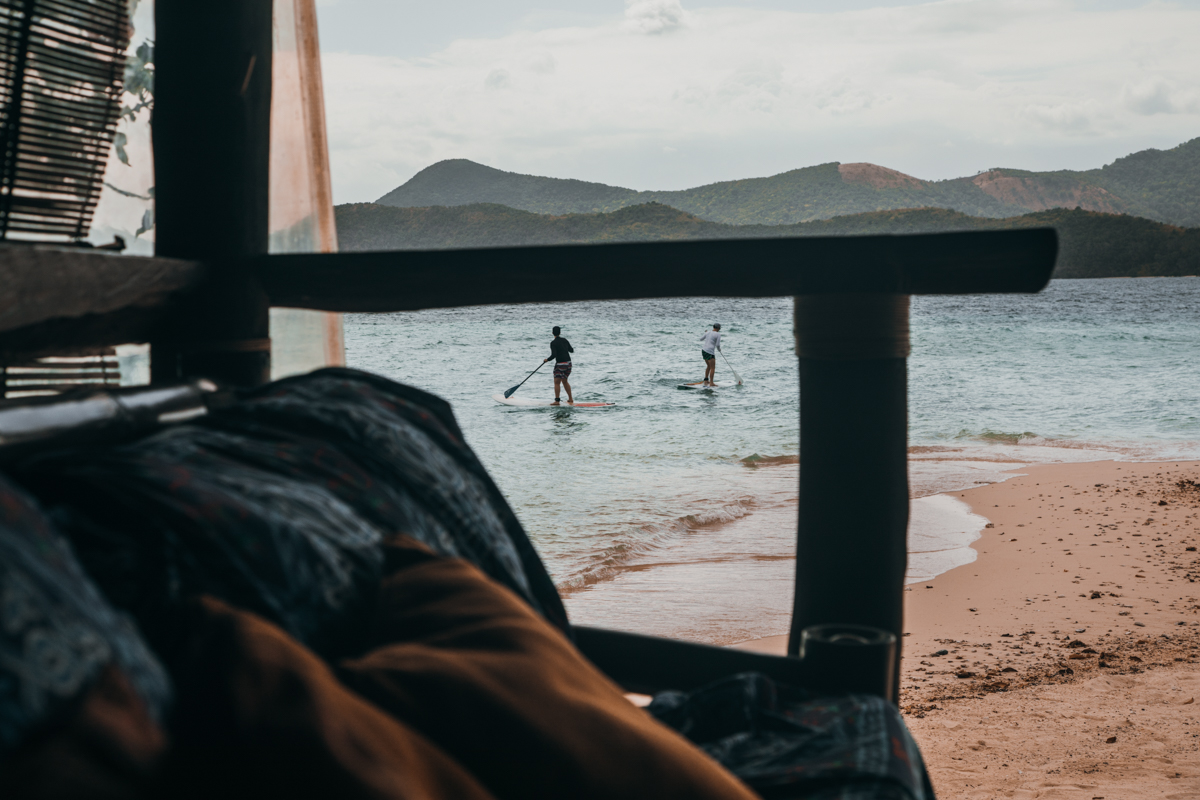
(106,750)
(261,716)
(466,662)
(476,697)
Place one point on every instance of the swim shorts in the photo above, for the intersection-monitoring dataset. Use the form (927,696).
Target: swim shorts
(707,355)
(562,369)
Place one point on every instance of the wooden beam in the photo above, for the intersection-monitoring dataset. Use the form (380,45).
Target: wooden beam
(212,127)
(212,117)
(44,283)
(67,297)
(947,263)
(57,299)
(851,550)
(651,664)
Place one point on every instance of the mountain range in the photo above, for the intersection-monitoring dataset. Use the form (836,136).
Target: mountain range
(1160,185)
(1091,244)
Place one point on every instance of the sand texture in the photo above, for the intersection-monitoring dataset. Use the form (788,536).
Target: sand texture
(1062,663)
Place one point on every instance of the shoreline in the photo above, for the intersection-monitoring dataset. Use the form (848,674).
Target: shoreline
(727,579)
(1063,661)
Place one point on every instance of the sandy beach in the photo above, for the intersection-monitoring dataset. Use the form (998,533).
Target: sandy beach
(1068,650)
(1062,663)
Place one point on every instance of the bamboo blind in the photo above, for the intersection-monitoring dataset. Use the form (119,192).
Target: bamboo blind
(61,68)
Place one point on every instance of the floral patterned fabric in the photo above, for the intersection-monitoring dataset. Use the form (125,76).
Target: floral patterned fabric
(56,631)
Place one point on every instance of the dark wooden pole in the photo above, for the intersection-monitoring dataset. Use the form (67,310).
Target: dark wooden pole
(212,127)
(851,550)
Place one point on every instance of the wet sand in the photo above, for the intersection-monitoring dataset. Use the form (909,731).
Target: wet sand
(1063,662)
(728,577)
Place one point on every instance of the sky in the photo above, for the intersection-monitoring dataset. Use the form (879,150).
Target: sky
(669,94)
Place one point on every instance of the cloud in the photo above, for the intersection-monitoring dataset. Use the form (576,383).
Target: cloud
(654,16)
(497,79)
(543,64)
(1070,118)
(1158,95)
(741,91)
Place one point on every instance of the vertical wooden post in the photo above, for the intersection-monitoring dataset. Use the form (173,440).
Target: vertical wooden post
(212,127)
(851,552)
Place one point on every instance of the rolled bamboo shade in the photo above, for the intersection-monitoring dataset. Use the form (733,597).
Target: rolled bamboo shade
(61,66)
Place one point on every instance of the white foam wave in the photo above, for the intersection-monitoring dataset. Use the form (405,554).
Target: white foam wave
(941,529)
(946,468)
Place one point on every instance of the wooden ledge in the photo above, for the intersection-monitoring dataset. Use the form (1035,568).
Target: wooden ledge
(42,283)
(54,299)
(945,263)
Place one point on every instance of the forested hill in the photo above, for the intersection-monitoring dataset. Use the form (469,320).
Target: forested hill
(1162,185)
(1093,244)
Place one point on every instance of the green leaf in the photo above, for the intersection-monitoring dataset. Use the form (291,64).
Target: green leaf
(147,223)
(119,142)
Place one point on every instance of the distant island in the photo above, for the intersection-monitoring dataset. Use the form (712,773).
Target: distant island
(1093,244)
(1161,185)
(1136,217)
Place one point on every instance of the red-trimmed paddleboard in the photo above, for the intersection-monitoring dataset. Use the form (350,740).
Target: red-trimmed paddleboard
(523,402)
(700,385)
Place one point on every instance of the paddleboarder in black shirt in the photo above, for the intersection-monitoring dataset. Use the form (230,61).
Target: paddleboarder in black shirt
(560,351)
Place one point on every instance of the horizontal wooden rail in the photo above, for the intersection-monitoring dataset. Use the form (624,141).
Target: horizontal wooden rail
(55,299)
(56,375)
(947,263)
(55,387)
(41,283)
(651,664)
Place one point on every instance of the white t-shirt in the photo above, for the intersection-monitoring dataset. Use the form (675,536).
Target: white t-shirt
(711,342)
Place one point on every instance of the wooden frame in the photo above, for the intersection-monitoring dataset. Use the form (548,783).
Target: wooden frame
(204,308)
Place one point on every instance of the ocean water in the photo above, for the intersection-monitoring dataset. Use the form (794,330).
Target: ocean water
(674,511)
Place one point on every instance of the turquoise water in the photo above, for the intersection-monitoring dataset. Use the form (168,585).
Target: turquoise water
(585,481)
(1099,361)
(652,494)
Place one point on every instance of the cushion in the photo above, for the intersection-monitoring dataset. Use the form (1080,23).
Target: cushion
(465,661)
(260,715)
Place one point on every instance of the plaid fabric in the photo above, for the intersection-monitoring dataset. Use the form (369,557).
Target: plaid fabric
(785,743)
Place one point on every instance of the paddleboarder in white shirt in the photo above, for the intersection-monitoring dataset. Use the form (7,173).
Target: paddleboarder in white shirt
(710,345)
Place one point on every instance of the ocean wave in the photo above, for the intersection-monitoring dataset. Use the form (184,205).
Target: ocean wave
(1003,437)
(755,460)
(643,540)
(988,445)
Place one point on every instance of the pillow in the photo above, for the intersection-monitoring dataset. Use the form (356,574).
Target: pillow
(260,716)
(467,663)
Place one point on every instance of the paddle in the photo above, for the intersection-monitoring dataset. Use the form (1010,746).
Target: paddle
(736,377)
(509,393)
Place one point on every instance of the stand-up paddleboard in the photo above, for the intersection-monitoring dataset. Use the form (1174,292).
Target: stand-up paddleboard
(527,403)
(700,385)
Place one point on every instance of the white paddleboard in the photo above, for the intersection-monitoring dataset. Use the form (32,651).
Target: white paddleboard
(527,403)
(700,385)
